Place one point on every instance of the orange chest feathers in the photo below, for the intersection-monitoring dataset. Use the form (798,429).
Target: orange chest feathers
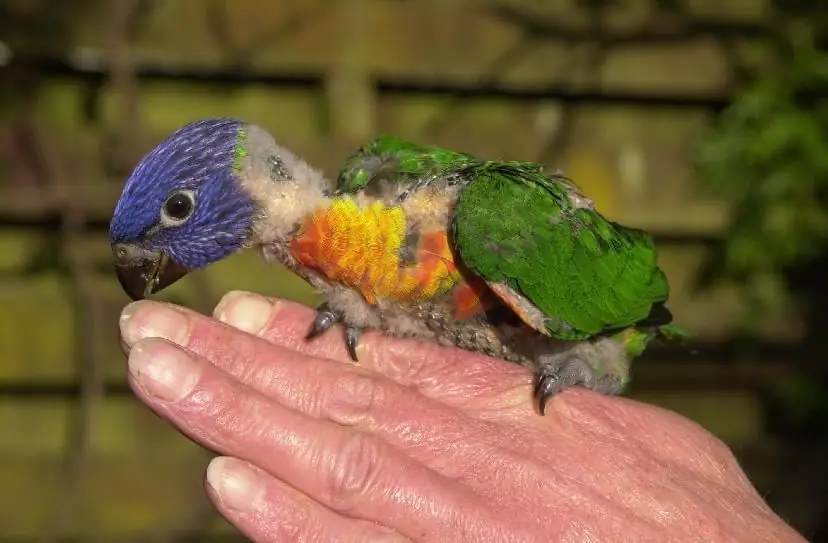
(374,250)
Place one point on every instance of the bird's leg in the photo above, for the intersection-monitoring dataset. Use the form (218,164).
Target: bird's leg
(609,385)
(326,318)
(556,375)
(560,372)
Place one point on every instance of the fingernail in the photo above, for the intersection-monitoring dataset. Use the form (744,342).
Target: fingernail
(163,370)
(246,311)
(236,484)
(145,319)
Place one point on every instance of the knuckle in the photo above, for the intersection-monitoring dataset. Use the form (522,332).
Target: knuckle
(212,399)
(355,472)
(238,416)
(410,369)
(396,359)
(353,398)
(301,526)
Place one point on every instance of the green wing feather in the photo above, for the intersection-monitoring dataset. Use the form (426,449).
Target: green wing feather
(397,160)
(584,275)
(572,272)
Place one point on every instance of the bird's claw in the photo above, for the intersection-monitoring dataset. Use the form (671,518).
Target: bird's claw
(324,321)
(326,318)
(351,341)
(552,379)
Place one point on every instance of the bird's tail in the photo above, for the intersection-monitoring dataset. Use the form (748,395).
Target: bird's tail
(636,340)
(672,333)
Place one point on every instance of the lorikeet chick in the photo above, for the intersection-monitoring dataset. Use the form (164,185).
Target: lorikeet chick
(497,257)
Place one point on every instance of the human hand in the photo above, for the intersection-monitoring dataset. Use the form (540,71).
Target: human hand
(419,442)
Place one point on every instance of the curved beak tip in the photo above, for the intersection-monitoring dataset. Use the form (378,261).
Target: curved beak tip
(133,280)
(141,278)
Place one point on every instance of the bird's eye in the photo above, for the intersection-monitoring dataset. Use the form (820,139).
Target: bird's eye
(178,207)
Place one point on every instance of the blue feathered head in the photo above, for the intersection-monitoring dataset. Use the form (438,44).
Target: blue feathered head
(183,207)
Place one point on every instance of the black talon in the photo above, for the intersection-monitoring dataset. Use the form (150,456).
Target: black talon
(324,321)
(545,389)
(553,379)
(351,341)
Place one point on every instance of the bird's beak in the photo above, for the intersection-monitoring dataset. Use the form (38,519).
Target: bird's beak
(142,273)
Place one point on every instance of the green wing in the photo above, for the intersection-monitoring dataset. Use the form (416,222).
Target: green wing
(400,161)
(566,270)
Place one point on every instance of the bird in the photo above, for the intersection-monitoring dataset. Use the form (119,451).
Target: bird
(497,257)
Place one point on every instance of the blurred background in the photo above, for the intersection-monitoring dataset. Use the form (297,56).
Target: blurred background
(703,121)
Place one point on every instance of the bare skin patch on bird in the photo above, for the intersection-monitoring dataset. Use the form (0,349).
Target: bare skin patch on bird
(408,250)
(278,170)
(364,247)
(429,207)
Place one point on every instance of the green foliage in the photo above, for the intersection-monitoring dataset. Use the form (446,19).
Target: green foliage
(768,157)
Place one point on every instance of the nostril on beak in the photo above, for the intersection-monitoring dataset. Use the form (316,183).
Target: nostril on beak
(123,254)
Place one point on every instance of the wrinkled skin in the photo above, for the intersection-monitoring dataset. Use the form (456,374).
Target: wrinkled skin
(420,442)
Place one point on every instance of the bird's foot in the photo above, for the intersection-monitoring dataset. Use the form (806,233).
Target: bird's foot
(326,318)
(558,375)
(324,321)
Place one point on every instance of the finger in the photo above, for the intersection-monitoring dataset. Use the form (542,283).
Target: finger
(432,431)
(349,395)
(283,323)
(434,369)
(454,375)
(266,509)
(349,472)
